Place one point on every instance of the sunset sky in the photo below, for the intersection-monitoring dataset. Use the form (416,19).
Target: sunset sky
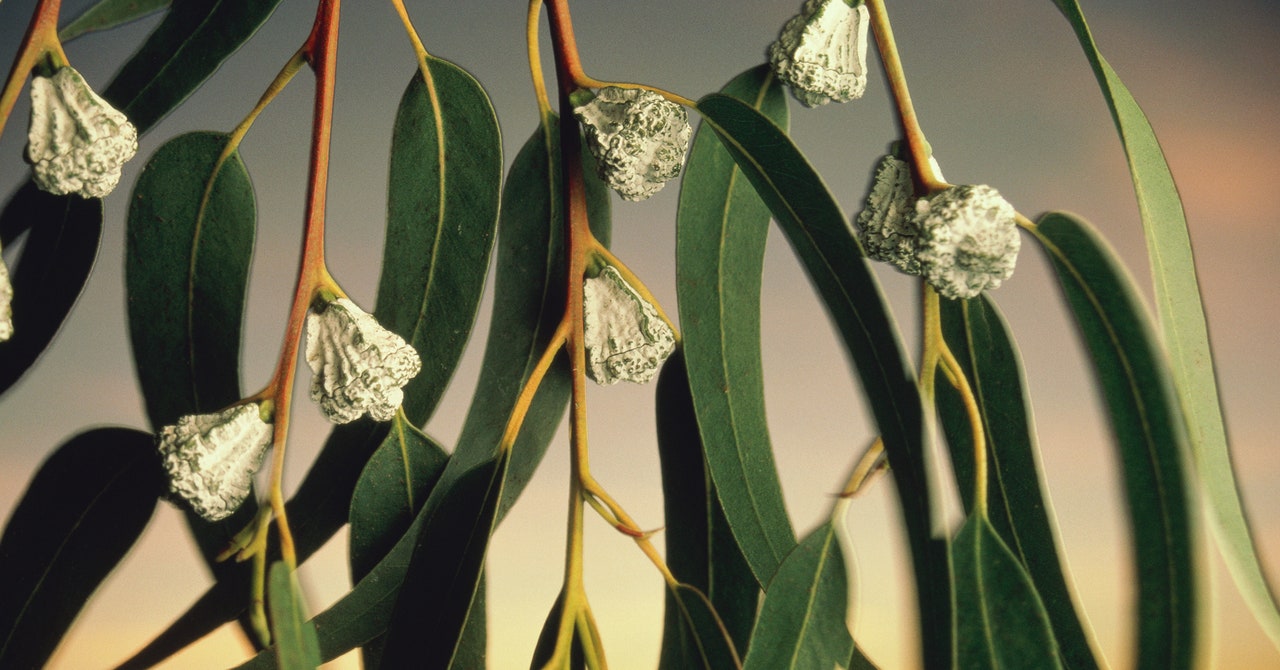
(1005,97)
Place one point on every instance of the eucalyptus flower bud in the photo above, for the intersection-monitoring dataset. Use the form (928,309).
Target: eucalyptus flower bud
(886,226)
(822,52)
(625,337)
(211,458)
(638,138)
(77,142)
(968,240)
(6,303)
(357,365)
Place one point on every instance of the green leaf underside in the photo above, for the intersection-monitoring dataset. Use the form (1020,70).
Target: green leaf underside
(1000,621)
(1019,510)
(62,243)
(108,14)
(292,635)
(1186,334)
(721,229)
(824,242)
(1150,436)
(441,217)
(80,515)
(802,621)
(701,551)
(187,47)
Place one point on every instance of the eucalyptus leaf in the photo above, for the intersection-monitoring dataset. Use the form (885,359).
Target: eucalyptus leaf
(1186,335)
(802,621)
(293,636)
(824,242)
(720,239)
(80,515)
(108,14)
(187,47)
(440,223)
(61,246)
(701,551)
(1000,621)
(1018,508)
(709,644)
(1151,438)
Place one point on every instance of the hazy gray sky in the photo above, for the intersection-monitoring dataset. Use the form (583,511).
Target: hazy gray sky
(1006,98)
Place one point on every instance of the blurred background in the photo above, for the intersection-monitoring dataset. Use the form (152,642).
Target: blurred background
(1006,98)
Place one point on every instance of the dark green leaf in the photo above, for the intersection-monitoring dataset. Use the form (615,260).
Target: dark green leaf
(859,660)
(1000,621)
(187,47)
(720,240)
(50,273)
(1150,436)
(823,240)
(802,621)
(440,223)
(708,642)
(293,636)
(80,515)
(528,305)
(1186,335)
(701,552)
(1019,510)
(186,272)
(108,14)
(393,487)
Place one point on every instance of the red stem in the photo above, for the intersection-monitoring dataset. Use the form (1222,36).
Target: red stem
(41,38)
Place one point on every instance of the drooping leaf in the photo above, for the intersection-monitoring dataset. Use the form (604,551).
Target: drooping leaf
(832,257)
(293,636)
(701,551)
(108,14)
(80,515)
(440,223)
(1150,433)
(62,243)
(187,47)
(1000,621)
(802,621)
(706,642)
(721,229)
(190,239)
(393,487)
(1019,511)
(1186,335)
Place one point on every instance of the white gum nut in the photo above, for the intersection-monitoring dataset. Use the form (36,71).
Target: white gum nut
(211,458)
(6,303)
(626,340)
(77,142)
(357,365)
(638,137)
(968,240)
(886,226)
(822,52)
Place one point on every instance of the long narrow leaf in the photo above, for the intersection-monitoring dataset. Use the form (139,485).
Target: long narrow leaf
(1019,510)
(82,512)
(440,223)
(721,229)
(1150,437)
(293,636)
(108,14)
(56,260)
(823,240)
(1186,335)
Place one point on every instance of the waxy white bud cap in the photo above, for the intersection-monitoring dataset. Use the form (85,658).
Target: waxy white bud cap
(886,226)
(211,458)
(968,240)
(357,365)
(625,337)
(822,52)
(6,303)
(77,142)
(638,138)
